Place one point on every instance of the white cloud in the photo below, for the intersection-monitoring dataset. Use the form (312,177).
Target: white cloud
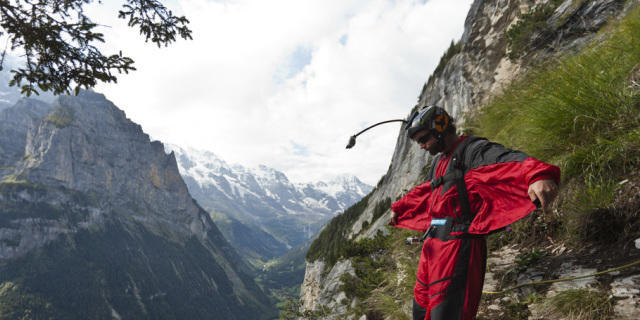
(234,89)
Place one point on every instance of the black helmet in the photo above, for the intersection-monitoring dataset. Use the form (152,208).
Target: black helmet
(432,118)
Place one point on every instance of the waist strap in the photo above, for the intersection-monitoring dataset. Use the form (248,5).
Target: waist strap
(444,232)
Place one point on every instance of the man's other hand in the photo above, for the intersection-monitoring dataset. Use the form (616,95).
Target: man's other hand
(545,191)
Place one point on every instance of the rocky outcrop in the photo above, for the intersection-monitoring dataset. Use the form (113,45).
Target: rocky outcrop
(15,123)
(621,287)
(31,230)
(86,144)
(322,289)
(84,184)
(626,292)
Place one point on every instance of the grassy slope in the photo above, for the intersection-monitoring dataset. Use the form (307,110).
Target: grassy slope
(581,113)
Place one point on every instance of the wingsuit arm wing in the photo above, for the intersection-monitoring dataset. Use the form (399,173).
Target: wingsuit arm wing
(412,208)
(501,178)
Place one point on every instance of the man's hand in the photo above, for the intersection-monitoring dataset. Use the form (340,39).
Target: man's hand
(394,218)
(543,190)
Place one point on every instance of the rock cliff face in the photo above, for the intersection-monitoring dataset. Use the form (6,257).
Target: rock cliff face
(93,213)
(470,77)
(323,288)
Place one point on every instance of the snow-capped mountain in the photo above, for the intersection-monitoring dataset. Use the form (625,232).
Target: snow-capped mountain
(236,182)
(263,198)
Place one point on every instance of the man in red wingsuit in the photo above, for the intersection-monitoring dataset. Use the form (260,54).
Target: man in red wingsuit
(501,186)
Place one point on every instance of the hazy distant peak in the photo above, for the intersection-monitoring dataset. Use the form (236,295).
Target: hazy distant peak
(346,179)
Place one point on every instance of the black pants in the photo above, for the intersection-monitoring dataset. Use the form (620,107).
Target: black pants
(418,312)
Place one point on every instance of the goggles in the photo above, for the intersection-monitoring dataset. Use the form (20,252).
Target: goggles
(420,120)
(424,138)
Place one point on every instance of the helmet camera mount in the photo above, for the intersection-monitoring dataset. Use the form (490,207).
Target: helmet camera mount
(352,139)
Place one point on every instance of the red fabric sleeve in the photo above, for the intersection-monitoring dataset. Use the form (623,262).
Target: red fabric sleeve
(503,189)
(551,174)
(412,208)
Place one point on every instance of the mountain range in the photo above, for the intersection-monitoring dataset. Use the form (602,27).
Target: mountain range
(259,210)
(97,223)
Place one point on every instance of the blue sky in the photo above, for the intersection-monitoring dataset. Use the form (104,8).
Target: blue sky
(285,83)
(299,58)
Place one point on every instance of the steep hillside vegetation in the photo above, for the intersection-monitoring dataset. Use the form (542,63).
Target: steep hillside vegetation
(581,112)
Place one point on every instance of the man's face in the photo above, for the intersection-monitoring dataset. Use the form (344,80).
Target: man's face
(427,142)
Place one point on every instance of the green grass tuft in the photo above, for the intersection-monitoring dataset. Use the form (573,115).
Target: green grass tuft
(580,304)
(387,306)
(61,117)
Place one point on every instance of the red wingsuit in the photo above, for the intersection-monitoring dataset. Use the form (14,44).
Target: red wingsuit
(451,271)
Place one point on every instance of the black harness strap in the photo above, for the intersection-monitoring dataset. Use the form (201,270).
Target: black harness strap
(456,173)
(463,196)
